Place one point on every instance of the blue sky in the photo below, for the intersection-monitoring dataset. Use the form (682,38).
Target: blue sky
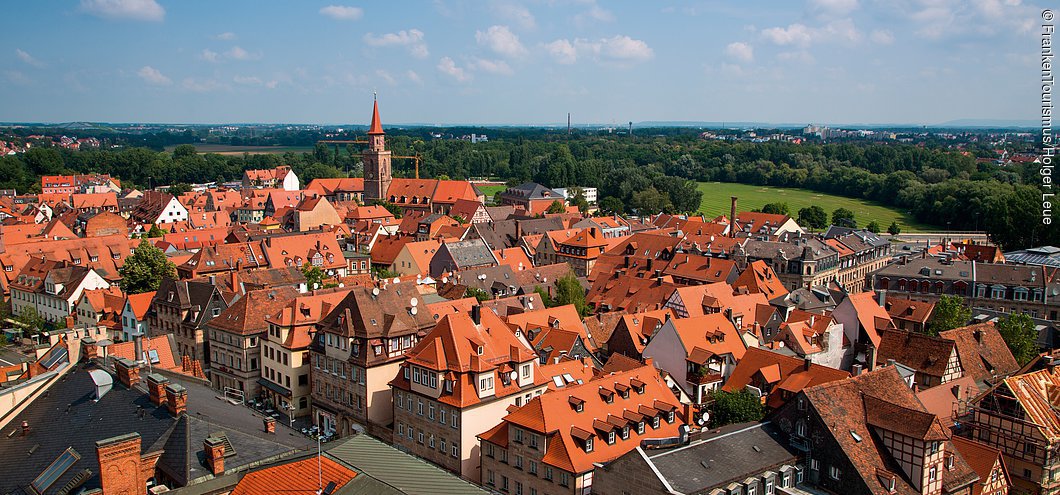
(452,61)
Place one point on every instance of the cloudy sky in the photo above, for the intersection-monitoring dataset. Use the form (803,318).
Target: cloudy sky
(453,61)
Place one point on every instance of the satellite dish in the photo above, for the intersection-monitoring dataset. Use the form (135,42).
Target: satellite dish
(375,291)
(413,310)
(445,280)
(397,280)
(513,375)
(414,302)
(529,305)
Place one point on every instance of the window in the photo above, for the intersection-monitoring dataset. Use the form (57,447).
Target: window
(401,429)
(640,427)
(532,468)
(518,462)
(933,473)
(769,487)
(934,447)
(564,479)
(518,488)
(611,437)
(533,441)
(835,473)
(655,423)
(815,464)
(441,446)
(441,415)
(408,433)
(455,450)
(419,437)
(489,477)
(548,473)
(589,444)
(800,428)
(430,441)
(752,489)
(504,482)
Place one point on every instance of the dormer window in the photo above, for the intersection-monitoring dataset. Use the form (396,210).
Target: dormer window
(625,432)
(611,437)
(589,444)
(480,350)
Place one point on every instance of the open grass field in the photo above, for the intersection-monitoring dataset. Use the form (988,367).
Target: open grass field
(224,149)
(716,202)
(490,190)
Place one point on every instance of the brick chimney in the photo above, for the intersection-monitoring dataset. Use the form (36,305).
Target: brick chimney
(120,464)
(89,349)
(214,449)
(732,218)
(128,372)
(270,424)
(156,388)
(176,399)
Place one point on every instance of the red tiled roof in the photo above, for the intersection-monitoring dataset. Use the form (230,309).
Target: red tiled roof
(759,277)
(781,368)
(296,478)
(983,353)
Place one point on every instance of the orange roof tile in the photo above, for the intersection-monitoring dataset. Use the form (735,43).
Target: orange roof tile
(296,478)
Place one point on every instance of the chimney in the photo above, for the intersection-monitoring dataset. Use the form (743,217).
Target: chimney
(649,362)
(156,388)
(883,298)
(213,279)
(476,314)
(214,448)
(956,389)
(732,218)
(518,230)
(978,334)
(176,399)
(121,467)
(855,370)
(89,349)
(806,363)
(128,372)
(138,346)
(269,423)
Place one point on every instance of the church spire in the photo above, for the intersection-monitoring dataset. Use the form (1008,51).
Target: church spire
(377,127)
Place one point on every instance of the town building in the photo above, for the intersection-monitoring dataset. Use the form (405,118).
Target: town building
(52,288)
(281,177)
(553,443)
(700,352)
(358,348)
(460,378)
(182,308)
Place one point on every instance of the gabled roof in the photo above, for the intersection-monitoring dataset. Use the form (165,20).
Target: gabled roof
(869,314)
(140,303)
(924,353)
(711,334)
(552,414)
(246,316)
(296,478)
(453,345)
(983,353)
(758,277)
(764,362)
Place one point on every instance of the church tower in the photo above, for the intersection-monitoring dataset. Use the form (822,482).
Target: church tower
(376,161)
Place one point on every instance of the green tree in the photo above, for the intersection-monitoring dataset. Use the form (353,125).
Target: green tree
(155,232)
(381,273)
(735,407)
(894,229)
(546,300)
(479,294)
(391,207)
(873,227)
(184,151)
(33,323)
(612,205)
(843,218)
(556,207)
(950,312)
(570,291)
(1018,331)
(314,276)
(776,208)
(145,269)
(813,217)
(178,189)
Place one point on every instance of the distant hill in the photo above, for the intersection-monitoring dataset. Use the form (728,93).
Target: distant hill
(992,123)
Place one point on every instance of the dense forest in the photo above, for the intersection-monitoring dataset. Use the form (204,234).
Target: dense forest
(646,174)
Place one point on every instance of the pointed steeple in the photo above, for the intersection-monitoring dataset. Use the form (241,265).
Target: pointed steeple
(377,127)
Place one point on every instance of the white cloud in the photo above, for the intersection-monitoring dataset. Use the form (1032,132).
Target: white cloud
(414,77)
(944,18)
(802,35)
(153,76)
(501,40)
(342,12)
(594,13)
(562,51)
(272,84)
(247,80)
(448,67)
(27,58)
(226,36)
(882,37)
(620,49)
(209,55)
(238,53)
(412,38)
(202,85)
(834,7)
(137,10)
(798,56)
(795,34)
(385,76)
(516,13)
(499,67)
(17,77)
(740,51)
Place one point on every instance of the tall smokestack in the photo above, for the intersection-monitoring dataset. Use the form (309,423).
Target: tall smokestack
(732,218)
(568,123)
(631,129)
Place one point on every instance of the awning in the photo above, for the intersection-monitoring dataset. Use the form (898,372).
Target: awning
(274,387)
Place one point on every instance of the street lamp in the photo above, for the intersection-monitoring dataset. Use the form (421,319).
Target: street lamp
(289,407)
